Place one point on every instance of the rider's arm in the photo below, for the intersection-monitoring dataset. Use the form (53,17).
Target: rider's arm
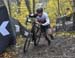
(33,15)
(36,20)
(47,20)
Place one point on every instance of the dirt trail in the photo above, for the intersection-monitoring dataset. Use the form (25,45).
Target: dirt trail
(59,48)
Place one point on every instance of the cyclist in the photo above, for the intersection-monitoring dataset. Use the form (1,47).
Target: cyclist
(68,14)
(43,19)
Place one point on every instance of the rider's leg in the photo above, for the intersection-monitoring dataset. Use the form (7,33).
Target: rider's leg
(48,40)
(49,31)
(45,34)
(44,30)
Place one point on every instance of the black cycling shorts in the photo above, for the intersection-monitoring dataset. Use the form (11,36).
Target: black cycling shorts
(45,28)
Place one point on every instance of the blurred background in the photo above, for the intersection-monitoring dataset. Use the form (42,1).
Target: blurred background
(19,9)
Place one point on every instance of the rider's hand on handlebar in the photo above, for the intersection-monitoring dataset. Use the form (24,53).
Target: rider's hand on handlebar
(37,22)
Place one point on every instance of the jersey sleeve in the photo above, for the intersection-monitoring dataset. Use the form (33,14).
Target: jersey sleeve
(47,20)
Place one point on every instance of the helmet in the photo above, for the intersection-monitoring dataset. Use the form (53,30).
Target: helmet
(39,10)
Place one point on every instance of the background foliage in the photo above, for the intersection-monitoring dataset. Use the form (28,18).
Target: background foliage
(52,8)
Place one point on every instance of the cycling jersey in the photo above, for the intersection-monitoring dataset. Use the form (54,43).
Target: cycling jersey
(44,19)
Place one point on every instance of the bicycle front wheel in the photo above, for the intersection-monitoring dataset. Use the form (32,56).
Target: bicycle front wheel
(26,44)
(37,35)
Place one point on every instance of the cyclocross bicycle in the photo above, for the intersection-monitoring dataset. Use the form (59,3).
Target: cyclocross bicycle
(35,36)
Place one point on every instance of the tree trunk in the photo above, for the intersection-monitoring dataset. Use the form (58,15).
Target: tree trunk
(73,2)
(18,4)
(28,5)
(33,6)
(59,8)
(8,2)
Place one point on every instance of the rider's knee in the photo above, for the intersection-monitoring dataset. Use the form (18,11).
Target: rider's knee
(49,31)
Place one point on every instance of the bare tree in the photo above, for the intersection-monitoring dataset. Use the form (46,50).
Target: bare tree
(33,6)
(8,2)
(18,5)
(73,3)
(28,5)
(59,8)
